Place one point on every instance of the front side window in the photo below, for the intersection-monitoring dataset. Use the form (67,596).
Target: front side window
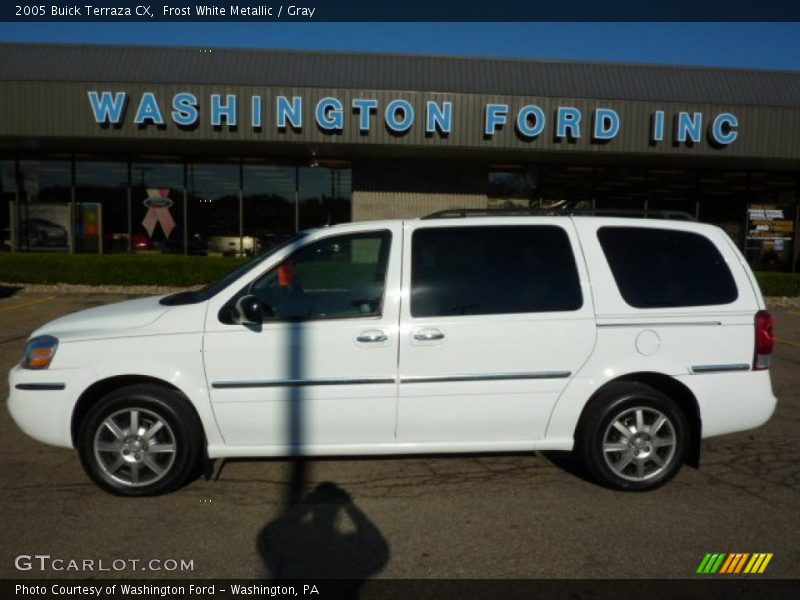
(493,270)
(665,268)
(337,277)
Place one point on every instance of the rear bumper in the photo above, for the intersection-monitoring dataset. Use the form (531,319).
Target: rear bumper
(42,402)
(732,401)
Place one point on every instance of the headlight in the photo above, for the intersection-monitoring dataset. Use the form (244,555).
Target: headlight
(39,352)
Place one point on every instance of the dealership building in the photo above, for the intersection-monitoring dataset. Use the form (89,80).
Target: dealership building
(108,149)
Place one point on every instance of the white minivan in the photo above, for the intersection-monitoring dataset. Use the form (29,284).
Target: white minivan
(625,340)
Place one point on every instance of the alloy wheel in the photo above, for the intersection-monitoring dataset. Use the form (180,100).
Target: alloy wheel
(639,443)
(134,447)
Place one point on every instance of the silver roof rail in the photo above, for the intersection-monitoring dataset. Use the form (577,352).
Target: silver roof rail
(460,213)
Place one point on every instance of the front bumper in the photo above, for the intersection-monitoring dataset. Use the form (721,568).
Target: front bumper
(41,402)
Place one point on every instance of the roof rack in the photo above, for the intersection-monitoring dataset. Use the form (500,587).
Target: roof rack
(460,213)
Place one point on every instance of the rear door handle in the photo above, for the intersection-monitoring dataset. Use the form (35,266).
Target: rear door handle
(372,336)
(428,335)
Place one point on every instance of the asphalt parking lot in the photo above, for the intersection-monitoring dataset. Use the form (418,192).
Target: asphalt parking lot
(520,516)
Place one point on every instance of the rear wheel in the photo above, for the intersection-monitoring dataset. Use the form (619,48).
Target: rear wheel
(633,437)
(140,440)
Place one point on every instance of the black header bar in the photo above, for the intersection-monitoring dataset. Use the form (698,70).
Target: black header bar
(734,587)
(146,11)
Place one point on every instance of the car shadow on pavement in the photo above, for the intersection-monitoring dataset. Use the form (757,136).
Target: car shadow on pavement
(6,291)
(321,536)
(570,463)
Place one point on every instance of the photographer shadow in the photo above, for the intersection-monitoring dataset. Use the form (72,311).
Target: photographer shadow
(324,535)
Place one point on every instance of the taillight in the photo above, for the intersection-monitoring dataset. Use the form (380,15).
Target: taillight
(765,340)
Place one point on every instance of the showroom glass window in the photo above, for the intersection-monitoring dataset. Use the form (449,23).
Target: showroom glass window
(8,194)
(513,189)
(324,196)
(619,188)
(672,190)
(722,197)
(44,221)
(492,270)
(269,203)
(567,186)
(157,190)
(771,221)
(101,206)
(212,210)
(337,277)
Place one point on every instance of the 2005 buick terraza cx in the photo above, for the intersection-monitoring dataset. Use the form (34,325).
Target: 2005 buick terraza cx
(625,340)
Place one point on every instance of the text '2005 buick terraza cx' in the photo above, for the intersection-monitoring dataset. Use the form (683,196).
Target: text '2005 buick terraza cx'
(624,340)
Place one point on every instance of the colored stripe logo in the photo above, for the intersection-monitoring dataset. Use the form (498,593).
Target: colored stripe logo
(734,563)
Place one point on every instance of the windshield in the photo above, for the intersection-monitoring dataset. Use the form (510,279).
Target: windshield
(212,289)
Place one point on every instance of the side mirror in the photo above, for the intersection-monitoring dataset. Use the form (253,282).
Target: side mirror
(249,310)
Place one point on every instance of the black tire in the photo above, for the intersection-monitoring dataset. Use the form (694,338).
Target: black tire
(140,463)
(644,460)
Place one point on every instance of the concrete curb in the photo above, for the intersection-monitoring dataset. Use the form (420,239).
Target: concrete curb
(68,288)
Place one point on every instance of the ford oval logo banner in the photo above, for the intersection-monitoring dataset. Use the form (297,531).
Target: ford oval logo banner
(158,204)
(157,201)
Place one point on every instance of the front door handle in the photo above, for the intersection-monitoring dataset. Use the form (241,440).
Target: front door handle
(428,335)
(372,337)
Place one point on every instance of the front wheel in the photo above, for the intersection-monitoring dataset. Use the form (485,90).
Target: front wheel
(633,437)
(140,440)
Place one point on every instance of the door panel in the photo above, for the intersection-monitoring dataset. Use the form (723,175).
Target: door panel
(326,379)
(489,378)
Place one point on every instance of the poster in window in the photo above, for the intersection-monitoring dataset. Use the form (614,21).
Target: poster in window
(770,222)
(43,226)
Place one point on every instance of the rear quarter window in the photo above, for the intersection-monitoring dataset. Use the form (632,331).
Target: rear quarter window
(665,268)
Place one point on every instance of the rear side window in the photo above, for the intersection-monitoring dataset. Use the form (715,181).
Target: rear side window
(492,270)
(662,268)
